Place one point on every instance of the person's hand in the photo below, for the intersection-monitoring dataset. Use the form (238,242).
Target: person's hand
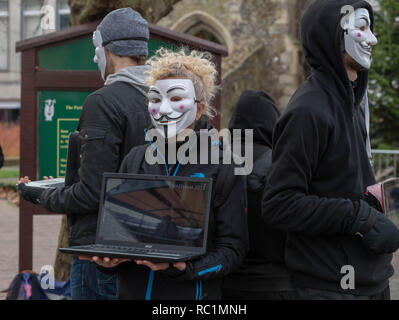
(27,180)
(158,266)
(29,193)
(383,237)
(23,180)
(105,262)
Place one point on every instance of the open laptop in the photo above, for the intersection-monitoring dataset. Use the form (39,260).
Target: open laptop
(148,217)
(390,196)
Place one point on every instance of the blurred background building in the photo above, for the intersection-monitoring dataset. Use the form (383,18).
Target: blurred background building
(22,19)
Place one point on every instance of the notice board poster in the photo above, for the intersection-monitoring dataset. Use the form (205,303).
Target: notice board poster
(58,116)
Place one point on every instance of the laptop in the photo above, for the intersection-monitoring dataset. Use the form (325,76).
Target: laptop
(150,217)
(50,183)
(390,196)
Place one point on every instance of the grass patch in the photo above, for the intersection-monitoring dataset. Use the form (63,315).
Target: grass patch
(4,174)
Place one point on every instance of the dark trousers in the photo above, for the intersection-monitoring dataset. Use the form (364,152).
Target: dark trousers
(89,283)
(317,294)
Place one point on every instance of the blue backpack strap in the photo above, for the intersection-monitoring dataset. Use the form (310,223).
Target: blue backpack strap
(18,283)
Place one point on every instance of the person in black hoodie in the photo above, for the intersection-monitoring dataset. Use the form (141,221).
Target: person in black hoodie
(182,86)
(321,168)
(263,274)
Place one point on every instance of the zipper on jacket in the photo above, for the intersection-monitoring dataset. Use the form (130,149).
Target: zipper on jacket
(198,286)
(149,285)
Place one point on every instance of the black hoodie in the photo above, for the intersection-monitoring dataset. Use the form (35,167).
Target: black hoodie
(263,269)
(320,165)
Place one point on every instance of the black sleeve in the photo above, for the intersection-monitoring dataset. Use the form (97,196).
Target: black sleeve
(230,238)
(101,139)
(299,140)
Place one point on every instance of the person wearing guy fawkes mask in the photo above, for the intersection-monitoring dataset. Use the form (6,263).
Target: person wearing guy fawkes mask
(112,121)
(339,245)
(182,86)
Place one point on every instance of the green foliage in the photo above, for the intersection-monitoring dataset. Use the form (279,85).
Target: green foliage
(384,77)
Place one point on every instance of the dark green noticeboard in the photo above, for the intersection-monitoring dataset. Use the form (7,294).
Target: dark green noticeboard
(79,54)
(58,116)
(59,111)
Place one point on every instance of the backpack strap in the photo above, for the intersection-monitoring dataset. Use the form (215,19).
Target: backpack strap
(137,158)
(36,288)
(73,159)
(14,288)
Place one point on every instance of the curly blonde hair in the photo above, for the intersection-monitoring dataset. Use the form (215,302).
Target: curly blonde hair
(195,66)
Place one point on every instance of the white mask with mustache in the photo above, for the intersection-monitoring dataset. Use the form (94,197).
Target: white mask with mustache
(172,105)
(359,39)
(99,55)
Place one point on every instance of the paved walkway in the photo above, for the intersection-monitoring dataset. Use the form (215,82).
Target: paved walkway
(45,240)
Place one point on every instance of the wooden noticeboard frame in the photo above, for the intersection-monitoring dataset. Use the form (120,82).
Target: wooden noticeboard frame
(35,79)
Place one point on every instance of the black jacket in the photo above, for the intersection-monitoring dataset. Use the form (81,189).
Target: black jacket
(320,166)
(263,268)
(112,121)
(227,241)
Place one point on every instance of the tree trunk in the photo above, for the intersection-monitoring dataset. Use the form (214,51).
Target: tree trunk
(63,262)
(83,11)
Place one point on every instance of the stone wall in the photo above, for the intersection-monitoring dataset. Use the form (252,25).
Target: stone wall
(262,39)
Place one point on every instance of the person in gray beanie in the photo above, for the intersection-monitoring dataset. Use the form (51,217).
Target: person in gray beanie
(112,121)
(123,42)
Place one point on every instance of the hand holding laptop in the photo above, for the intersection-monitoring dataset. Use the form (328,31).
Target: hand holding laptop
(107,262)
(26,179)
(157,266)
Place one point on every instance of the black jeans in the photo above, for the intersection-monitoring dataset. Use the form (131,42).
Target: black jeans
(317,294)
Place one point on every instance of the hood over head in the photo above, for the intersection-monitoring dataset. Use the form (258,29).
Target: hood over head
(256,110)
(322,41)
(134,75)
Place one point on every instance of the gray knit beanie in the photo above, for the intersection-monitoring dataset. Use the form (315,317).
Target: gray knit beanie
(125,33)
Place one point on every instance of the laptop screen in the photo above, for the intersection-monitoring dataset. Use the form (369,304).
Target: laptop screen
(391,200)
(158,211)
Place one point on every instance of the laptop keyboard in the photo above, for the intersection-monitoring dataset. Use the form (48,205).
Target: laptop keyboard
(133,250)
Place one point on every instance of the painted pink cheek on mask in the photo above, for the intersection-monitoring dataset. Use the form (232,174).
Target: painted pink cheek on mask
(154,111)
(359,35)
(181,107)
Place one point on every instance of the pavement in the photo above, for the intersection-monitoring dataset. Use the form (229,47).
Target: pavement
(45,239)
